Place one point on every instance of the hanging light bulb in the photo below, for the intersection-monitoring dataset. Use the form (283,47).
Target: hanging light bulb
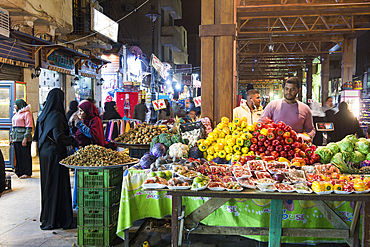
(271,44)
(252,69)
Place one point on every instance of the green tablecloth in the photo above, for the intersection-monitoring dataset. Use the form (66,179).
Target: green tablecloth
(139,204)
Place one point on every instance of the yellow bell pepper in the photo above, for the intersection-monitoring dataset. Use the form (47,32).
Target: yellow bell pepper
(251,128)
(338,187)
(219,147)
(236,121)
(245,150)
(244,119)
(318,186)
(235,158)
(228,149)
(210,157)
(325,178)
(250,153)
(211,150)
(238,153)
(244,124)
(225,120)
(226,130)
(222,154)
(264,132)
(328,186)
(282,159)
(359,186)
(236,148)
(228,157)
(344,178)
(230,142)
(220,126)
(240,142)
(202,147)
(222,135)
(244,136)
(211,136)
(250,136)
(236,134)
(215,135)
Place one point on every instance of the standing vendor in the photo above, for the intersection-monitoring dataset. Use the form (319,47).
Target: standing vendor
(252,110)
(291,111)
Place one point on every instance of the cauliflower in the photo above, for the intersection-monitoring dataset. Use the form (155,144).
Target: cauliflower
(178,150)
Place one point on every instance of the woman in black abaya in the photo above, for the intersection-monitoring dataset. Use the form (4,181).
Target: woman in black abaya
(52,134)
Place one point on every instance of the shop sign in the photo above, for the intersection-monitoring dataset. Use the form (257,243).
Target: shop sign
(187,80)
(310,100)
(183,68)
(243,101)
(61,60)
(158,66)
(197,101)
(104,25)
(159,104)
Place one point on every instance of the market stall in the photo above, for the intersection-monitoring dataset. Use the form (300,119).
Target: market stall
(261,181)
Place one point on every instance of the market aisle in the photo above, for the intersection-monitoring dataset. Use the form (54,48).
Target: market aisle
(20,213)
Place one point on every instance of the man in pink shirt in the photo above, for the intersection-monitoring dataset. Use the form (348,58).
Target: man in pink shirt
(291,111)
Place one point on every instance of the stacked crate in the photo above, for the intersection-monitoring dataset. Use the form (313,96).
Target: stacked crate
(99,193)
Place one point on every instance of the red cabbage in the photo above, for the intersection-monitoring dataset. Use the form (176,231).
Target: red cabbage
(158,150)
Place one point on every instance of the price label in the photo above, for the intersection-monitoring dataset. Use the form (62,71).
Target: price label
(243,102)
(197,101)
(159,104)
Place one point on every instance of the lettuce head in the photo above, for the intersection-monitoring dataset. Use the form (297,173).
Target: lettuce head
(345,145)
(333,147)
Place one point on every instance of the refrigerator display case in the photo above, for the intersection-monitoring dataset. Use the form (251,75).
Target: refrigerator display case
(10,91)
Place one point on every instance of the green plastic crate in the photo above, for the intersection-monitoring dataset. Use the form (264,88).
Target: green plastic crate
(97,216)
(99,198)
(96,236)
(99,178)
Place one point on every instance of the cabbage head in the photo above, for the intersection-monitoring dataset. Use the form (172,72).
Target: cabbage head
(158,150)
(325,154)
(333,147)
(345,145)
(147,160)
(357,157)
(352,138)
(363,147)
(347,156)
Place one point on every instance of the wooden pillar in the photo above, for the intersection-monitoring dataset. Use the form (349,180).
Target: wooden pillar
(308,80)
(325,73)
(217,33)
(300,77)
(347,60)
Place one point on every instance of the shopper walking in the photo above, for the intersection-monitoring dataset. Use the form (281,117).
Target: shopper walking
(89,131)
(52,135)
(21,137)
(140,111)
(345,123)
(111,111)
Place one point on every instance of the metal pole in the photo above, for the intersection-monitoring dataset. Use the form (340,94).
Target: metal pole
(153,115)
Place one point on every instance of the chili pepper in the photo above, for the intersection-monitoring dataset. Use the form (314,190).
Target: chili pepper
(253,147)
(275,143)
(281,125)
(260,125)
(280,132)
(309,152)
(267,143)
(286,135)
(287,148)
(264,132)
(247,143)
(289,140)
(283,154)
(279,148)
(296,145)
(270,136)
(261,138)
(272,130)
(287,128)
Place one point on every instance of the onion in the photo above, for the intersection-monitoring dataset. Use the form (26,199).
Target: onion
(279,177)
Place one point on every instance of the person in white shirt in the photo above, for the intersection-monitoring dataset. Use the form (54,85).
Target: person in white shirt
(252,109)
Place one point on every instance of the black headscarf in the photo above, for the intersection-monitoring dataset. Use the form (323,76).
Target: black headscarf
(72,109)
(20,103)
(52,116)
(110,111)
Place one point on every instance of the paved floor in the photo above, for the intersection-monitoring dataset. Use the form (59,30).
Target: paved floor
(19,223)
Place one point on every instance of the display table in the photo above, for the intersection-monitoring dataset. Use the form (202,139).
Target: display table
(251,209)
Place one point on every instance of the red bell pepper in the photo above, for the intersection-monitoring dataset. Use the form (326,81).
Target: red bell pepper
(275,154)
(293,134)
(262,149)
(270,148)
(299,139)
(275,143)
(297,155)
(280,132)
(261,138)
(260,144)
(260,125)
(287,128)
(281,125)
(291,153)
(283,154)
(254,140)
(271,136)
(279,138)
(303,154)
(289,141)
(313,147)
(272,130)
(296,145)
(268,153)
(307,161)
(272,125)
(255,133)
(287,148)
(282,142)
(309,152)
(267,143)
(286,135)
(253,147)
(315,157)
(279,148)
(268,158)
(297,150)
